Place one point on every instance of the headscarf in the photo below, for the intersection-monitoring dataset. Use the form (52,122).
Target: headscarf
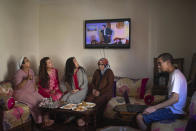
(19,63)
(106,65)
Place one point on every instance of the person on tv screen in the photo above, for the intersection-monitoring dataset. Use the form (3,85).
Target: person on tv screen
(106,33)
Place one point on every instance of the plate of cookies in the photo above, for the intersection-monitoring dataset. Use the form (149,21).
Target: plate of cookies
(87,104)
(68,106)
(79,108)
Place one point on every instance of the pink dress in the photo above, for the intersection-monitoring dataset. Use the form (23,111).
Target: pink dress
(53,86)
(27,94)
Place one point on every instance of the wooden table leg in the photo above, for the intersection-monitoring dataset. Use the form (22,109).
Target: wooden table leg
(95,119)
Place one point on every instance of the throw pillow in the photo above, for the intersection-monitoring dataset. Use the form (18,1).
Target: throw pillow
(134,87)
(6,100)
(148,99)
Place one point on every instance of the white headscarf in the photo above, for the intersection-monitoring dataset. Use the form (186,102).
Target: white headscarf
(19,63)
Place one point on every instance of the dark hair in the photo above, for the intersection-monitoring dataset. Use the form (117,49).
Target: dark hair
(104,25)
(43,74)
(69,70)
(166,57)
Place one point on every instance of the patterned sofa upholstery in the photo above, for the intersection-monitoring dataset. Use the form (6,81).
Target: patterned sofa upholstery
(179,124)
(136,89)
(16,117)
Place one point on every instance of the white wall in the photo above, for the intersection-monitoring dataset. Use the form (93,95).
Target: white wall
(171,29)
(157,26)
(55,29)
(18,34)
(61,34)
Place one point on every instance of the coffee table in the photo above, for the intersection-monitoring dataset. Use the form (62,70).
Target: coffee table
(88,114)
(128,112)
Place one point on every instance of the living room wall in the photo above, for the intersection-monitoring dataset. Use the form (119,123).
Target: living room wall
(18,34)
(37,28)
(171,29)
(157,26)
(61,34)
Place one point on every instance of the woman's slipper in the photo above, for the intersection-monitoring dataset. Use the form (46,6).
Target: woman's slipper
(48,123)
(70,119)
(81,122)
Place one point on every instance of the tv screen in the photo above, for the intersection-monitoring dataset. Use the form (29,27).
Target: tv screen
(108,33)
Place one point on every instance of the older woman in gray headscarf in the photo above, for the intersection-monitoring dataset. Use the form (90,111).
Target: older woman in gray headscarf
(25,90)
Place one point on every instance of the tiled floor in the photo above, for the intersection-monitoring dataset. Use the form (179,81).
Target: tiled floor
(64,127)
(73,127)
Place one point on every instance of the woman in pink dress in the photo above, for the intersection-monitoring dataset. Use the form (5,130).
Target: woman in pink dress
(48,80)
(25,91)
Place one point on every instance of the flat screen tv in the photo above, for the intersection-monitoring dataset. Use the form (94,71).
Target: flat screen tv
(108,33)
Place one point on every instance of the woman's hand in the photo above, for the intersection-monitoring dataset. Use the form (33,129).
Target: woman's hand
(95,92)
(29,77)
(74,91)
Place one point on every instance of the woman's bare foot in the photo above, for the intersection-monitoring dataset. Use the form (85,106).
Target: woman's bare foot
(48,122)
(81,122)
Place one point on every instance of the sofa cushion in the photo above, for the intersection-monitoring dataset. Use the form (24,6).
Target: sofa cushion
(18,115)
(177,125)
(7,102)
(6,92)
(192,106)
(6,88)
(134,87)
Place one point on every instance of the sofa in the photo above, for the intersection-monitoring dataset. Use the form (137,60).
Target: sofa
(179,124)
(14,116)
(136,89)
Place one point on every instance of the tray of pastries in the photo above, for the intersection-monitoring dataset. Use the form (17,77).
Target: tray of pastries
(68,106)
(79,108)
(87,104)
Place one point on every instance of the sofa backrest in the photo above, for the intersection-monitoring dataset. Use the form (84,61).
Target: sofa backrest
(134,87)
(6,88)
(6,92)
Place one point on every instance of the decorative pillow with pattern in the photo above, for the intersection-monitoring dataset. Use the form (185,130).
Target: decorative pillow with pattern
(134,87)
(6,99)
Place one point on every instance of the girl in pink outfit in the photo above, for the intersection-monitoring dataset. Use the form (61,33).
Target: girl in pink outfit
(25,91)
(48,80)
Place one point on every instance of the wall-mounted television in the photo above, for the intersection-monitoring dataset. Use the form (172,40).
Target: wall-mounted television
(108,33)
